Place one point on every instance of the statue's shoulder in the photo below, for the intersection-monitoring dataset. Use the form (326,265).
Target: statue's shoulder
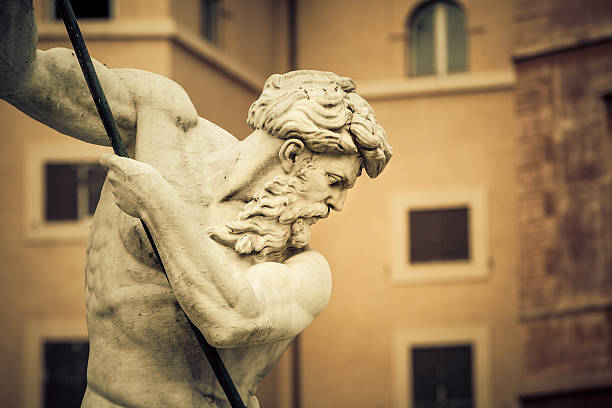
(313,273)
(310,260)
(212,135)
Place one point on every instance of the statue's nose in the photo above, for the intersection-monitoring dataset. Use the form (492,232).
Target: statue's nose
(336,200)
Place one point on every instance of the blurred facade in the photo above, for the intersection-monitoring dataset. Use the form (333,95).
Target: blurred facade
(563,54)
(500,144)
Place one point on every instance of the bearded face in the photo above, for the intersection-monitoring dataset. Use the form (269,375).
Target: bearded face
(276,221)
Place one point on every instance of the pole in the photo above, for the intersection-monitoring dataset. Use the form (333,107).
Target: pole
(112,131)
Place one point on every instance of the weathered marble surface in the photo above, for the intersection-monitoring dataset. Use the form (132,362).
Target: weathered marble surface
(231,219)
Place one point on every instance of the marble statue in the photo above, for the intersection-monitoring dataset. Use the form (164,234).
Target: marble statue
(231,219)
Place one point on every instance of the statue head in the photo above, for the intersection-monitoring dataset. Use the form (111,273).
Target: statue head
(330,134)
(322,110)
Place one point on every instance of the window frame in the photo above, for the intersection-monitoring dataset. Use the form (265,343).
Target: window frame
(405,338)
(37,332)
(404,272)
(443,362)
(35,226)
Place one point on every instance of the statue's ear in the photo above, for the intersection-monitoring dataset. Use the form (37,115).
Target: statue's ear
(288,153)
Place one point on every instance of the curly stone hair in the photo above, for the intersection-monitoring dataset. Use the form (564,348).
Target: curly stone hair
(322,110)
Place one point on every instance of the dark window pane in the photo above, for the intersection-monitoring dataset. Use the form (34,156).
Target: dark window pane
(61,192)
(65,373)
(439,235)
(422,41)
(442,377)
(96,175)
(88,9)
(456,38)
(210,16)
(608,102)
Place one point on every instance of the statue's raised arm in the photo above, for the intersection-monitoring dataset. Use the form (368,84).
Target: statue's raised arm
(49,86)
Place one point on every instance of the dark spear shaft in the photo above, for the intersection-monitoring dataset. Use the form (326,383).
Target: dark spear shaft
(112,131)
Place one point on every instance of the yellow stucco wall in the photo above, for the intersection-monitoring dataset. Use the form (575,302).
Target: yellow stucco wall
(263,23)
(442,141)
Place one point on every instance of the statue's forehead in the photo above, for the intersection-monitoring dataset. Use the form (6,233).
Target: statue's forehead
(345,165)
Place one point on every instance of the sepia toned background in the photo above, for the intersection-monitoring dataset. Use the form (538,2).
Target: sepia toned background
(500,116)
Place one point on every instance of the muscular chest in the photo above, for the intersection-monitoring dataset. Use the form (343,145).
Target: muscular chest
(124,273)
(119,246)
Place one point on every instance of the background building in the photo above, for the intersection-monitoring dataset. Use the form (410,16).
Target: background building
(563,54)
(486,239)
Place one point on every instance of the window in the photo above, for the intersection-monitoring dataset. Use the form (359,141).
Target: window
(63,181)
(438,235)
(442,376)
(441,367)
(608,103)
(437,40)
(65,372)
(55,356)
(72,190)
(210,20)
(87,9)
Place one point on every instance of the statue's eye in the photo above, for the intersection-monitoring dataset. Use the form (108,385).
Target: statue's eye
(333,179)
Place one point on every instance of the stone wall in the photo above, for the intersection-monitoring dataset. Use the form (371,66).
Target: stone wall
(564,193)
(546,25)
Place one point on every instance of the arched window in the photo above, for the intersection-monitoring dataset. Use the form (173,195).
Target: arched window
(437,39)
(210,20)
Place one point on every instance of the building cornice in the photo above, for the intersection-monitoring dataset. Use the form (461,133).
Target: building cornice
(411,87)
(521,54)
(218,59)
(167,29)
(159,29)
(546,385)
(136,29)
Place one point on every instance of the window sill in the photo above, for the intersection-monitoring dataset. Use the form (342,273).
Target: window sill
(443,271)
(414,87)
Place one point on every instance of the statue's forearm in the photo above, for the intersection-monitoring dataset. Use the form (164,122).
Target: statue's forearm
(209,287)
(18,40)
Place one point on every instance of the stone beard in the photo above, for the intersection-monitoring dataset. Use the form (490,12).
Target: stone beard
(276,221)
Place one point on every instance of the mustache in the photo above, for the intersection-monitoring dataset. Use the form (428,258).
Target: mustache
(309,212)
(304,209)
(286,208)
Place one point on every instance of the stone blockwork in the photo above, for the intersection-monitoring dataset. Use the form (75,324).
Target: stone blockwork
(563,59)
(545,25)
(568,344)
(564,189)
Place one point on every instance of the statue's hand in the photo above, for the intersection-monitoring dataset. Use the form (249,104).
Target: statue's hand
(136,185)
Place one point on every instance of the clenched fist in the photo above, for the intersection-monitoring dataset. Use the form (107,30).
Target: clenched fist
(136,185)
